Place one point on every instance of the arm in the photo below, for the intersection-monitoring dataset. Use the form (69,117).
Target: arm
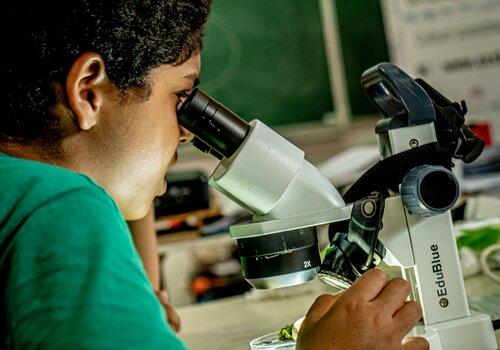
(144,237)
(75,281)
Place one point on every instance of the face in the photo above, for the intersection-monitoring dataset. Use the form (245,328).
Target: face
(133,144)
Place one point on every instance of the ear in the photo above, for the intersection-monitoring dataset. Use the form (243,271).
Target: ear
(85,88)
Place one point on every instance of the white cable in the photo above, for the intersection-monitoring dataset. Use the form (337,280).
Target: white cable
(484,262)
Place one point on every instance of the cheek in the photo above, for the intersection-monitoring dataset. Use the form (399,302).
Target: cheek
(171,125)
(160,121)
(157,134)
(165,141)
(170,130)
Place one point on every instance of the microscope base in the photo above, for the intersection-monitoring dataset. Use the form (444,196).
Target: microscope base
(469,333)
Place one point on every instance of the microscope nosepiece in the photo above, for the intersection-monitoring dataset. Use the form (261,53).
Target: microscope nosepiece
(280,259)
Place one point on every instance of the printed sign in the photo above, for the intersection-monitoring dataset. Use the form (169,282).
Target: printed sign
(452,44)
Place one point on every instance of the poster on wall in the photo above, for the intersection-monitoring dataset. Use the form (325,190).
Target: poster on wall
(455,46)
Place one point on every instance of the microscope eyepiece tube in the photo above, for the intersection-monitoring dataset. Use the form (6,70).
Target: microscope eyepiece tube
(220,131)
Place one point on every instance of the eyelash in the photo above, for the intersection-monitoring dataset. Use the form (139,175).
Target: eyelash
(182,94)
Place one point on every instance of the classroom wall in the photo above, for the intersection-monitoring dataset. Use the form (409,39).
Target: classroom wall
(453,45)
(266,59)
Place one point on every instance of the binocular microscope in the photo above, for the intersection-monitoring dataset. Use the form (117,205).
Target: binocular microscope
(397,212)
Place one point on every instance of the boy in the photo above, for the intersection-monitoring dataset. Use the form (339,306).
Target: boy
(88,130)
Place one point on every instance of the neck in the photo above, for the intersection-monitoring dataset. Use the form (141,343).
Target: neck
(75,156)
(33,151)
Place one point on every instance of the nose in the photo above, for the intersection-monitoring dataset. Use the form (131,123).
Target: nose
(185,135)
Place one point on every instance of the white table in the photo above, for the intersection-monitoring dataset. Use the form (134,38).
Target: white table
(231,323)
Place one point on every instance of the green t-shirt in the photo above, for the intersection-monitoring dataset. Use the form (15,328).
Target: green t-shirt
(70,277)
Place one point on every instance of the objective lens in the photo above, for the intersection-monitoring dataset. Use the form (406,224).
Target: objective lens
(345,261)
(336,268)
(333,279)
(280,259)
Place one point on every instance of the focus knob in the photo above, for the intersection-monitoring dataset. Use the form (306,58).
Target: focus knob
(429,190)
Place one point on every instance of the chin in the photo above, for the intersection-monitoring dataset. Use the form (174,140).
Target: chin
(137,208)
(163,188)
(137,213)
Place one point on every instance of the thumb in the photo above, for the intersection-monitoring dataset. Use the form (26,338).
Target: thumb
(321,306)
(415,343)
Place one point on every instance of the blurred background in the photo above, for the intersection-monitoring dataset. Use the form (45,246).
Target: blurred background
(296,65)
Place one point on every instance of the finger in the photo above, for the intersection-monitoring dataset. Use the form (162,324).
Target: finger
(408,316)
(394,294)
(368,286)
(162,296)
(415,343)
(173,318)
(296,327)
(320,307)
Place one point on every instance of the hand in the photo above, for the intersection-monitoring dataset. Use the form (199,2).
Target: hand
(173,317)
(372,314)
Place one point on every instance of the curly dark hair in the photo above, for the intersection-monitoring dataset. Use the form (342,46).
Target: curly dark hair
(42,39)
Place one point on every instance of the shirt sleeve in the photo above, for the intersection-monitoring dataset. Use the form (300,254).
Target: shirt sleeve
(76,282)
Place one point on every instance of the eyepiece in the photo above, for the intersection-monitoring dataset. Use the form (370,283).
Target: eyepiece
(217,130)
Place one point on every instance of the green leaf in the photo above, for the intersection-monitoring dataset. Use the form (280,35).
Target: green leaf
(479,239)
(286,333)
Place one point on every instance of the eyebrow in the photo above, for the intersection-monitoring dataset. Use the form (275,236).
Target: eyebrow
(194,77)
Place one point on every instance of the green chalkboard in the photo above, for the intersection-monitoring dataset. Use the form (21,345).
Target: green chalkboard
(265,59)
(363,44)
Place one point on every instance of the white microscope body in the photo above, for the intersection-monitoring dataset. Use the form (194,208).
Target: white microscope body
(426,250)
(290,199)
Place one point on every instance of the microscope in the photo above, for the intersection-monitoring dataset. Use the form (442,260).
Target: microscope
(397,212)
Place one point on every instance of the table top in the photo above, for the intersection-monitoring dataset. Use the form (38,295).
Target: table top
(232,323)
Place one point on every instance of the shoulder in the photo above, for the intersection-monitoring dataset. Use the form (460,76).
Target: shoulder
(27,187)
(18,172)
(40,182)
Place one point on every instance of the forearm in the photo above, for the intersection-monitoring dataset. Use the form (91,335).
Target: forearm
(144,237)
